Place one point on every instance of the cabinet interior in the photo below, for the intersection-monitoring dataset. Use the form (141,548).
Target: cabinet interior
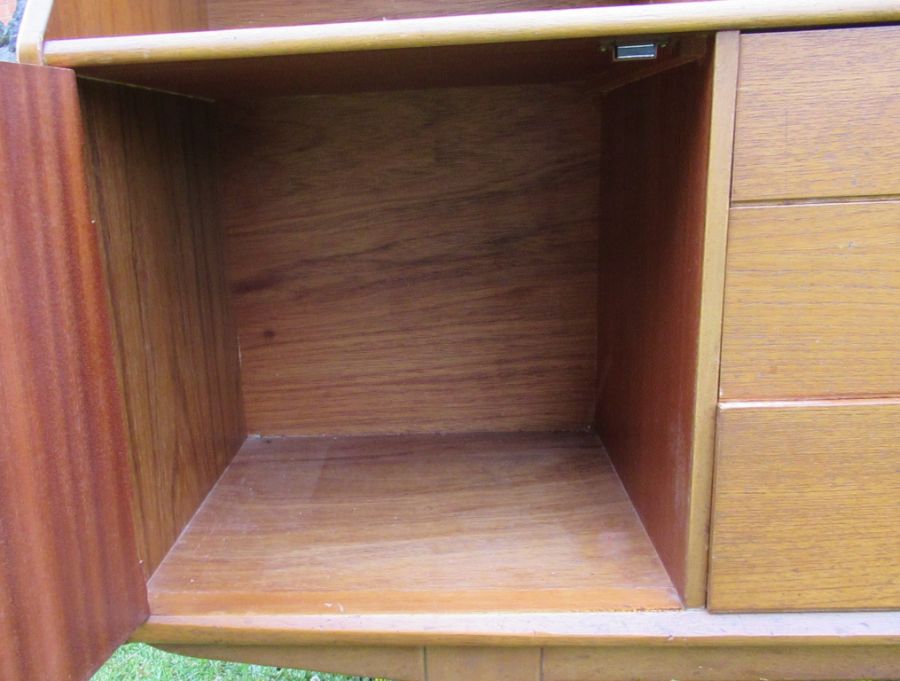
(446,321)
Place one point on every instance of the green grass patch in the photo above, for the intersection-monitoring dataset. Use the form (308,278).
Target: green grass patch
(137,662)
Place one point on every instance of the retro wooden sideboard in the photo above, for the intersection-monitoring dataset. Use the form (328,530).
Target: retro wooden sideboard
(469,339)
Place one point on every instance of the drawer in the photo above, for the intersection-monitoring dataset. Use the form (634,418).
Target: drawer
(806,507)
(817,113)
(812,301)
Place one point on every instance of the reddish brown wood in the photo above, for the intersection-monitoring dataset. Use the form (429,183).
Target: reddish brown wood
(247,13)
(415,261)
(86,18)
(155,198)
(656,136)
(71,587)
(515,522)
(446,66)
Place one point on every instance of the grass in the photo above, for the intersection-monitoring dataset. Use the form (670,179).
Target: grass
(137,662)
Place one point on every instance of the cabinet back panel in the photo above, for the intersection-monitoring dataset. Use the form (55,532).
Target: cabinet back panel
(415,261)
(248,13)
(151,169)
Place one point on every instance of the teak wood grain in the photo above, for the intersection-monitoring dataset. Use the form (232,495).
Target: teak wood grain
(413,68)
(89,18)
(817,114)
(812,306)
(807,506)
(155,199)
(422,523)
(771,662)
(709,331)
(472,29)
(71,588)
(258,13)
(415,261)
(497,664)
(656,143)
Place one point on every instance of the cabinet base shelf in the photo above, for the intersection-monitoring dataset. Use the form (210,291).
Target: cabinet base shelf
(418,523)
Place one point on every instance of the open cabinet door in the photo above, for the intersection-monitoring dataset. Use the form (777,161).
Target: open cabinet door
(71,585)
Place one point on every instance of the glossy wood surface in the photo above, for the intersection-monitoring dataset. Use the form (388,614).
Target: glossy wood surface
(413,68)
(674,629)
(71,588)
(155,199)
(656,137)
(794,663)
(807,506)
(415,261)
(394,663)
(88,18)
(260,13)
(812,307)
(817,114)
(678,17)
(430,523)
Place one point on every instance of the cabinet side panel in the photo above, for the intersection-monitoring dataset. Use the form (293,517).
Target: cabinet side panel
(92,18)
(656,137)
(71,587)
(155,198)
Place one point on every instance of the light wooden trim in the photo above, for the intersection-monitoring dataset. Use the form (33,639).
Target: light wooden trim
(811,663)
(706,394)
(448,663)
(561,663)
(30,42)
(713,15)
(666,629)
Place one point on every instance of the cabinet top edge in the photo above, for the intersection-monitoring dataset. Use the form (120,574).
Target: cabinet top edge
(610,21)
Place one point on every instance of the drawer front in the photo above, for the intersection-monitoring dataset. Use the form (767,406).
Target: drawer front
(812,301)
(806,511)
(818,114)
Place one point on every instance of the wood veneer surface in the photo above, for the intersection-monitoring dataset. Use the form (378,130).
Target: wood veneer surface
(156,204)
(256,13)
(89,18)
(429,523)
(498,664)
(656,137)
(71,588)
(812,307)
(776,660)
(817,114)
(675,630)
(806,509)
(772,662)
(415,261)
(372,70)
